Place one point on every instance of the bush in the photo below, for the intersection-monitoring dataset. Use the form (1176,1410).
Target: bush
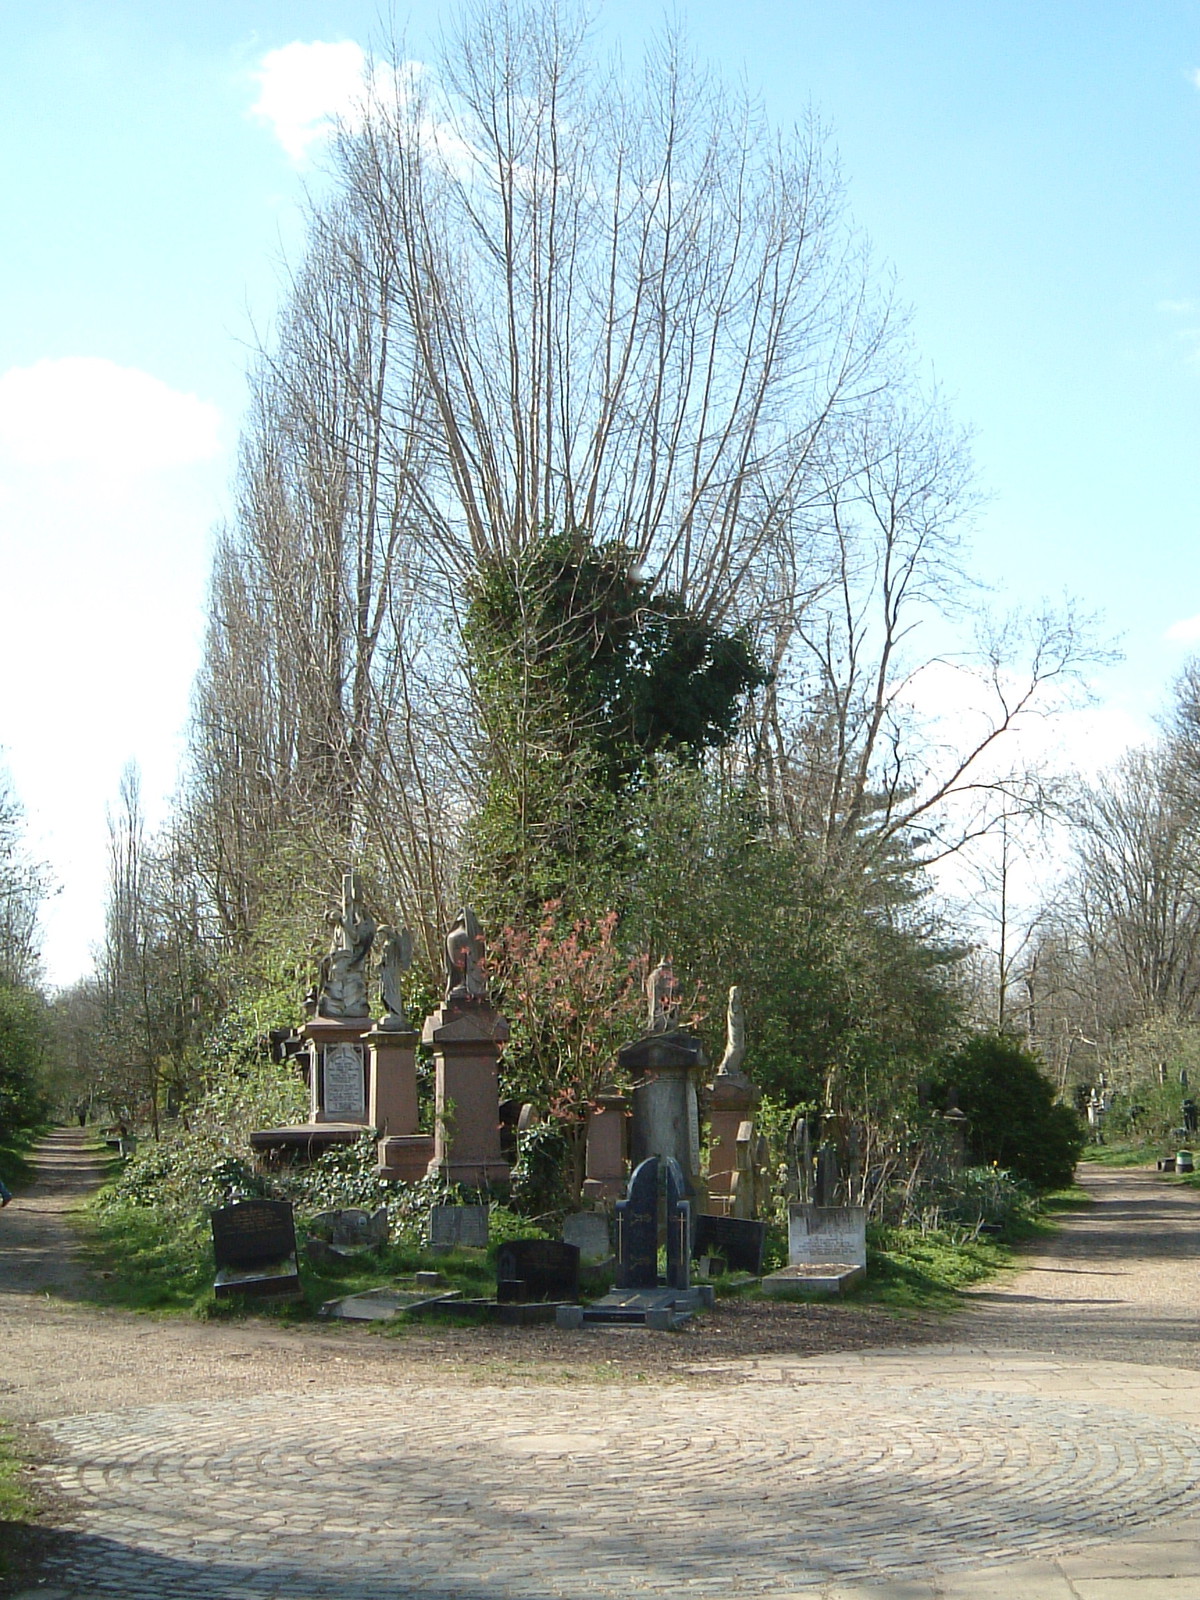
(1013,1119)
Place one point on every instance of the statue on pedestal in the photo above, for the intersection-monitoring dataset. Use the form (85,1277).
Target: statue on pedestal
(343,986)
(662,996)
(395,958)
(466,983)
(735,1037)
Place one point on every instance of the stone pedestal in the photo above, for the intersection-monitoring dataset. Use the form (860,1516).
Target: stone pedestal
(664,1068)
(606,1147)
(337,1079)
(404,1154)
(467,1039)
(731,1101)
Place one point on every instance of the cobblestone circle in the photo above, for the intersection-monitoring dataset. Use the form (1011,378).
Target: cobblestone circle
(517,1493)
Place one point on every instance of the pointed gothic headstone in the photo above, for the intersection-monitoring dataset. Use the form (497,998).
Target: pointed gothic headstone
(637,1230)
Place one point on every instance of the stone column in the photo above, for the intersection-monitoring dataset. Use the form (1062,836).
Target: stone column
(731,1101)
(337,1079)
(467,1038)
(664,1068)
(606,1141)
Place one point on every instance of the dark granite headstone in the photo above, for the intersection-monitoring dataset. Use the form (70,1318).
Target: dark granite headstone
(738,1242)
(254,1246)
(679,1227)
(637,1230)
(547,1269)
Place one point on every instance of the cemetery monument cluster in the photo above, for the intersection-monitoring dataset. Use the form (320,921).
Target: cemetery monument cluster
(643,1170)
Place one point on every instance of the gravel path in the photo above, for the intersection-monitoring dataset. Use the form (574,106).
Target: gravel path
(1044,1445)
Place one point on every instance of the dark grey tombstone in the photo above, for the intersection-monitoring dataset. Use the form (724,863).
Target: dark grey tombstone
(547,1268)
(637,1229)
(679,1227)
(828,1176)
(740,1242)
(254,1247)
(458,1227)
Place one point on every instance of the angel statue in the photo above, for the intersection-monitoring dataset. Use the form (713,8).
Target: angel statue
(465,980)
(735,1037)
(343,989)
(662,998)
(395,958)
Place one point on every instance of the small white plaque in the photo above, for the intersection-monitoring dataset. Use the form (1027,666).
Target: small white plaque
(345,1081)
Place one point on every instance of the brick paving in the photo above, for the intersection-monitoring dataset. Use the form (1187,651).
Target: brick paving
(1051,1451)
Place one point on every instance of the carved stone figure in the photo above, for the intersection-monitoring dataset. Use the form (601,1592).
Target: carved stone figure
(662,998)
(343,990)
(395,958)
(735,1036)
(465,980)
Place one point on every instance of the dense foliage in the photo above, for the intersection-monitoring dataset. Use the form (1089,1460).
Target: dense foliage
(1013,1119)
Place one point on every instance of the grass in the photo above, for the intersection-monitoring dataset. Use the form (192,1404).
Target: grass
(19,1509)
(15,1167)
(911,1271)
(140,1262)
(1124,1154)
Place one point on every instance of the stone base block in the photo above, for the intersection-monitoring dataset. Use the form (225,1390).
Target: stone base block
(829,1277)
(405,1157)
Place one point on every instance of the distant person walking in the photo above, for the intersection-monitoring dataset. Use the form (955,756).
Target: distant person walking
(5,1193)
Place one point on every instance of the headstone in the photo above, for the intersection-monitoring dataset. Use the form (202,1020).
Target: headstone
(254,1247)
(739,1243)
(458,1227)
(679,1227)
(637,1230)
(827,1235)
(352,1228)
(345,1080)
(546,1269)
(588,1230)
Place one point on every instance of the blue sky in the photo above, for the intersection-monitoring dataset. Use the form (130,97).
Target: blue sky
(1031,171)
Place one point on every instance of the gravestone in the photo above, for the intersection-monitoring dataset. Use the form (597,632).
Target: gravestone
(738,1242)
(544,1269)
(679,1227)
(637,1229)
(824,1235)
(458,1227)
(254,1247)
(352,1228)
(588,1230)
(345,1080)
(828,1176)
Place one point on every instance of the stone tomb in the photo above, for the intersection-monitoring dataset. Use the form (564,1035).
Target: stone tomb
(537,1269)
(639,1297)
(254,1247)
(827,1251)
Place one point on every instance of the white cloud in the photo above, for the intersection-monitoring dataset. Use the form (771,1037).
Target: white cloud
(1178,308)
(306,89)
(1186,631)
(89,412)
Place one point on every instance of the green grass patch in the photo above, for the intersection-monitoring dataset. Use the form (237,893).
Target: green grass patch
(914,1271)
(1124,1154)
(142,1261)
(18,1515)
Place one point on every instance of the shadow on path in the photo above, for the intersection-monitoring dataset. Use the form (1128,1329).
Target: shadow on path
(38,1250)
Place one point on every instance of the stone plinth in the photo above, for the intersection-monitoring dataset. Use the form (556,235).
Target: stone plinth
(606,1147)
(467,1039)
(405,1158)
(664,1068)
(393,1081)
(337,1079)
(731,1101)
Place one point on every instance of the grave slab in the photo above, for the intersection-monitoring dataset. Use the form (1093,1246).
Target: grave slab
(829,1278)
